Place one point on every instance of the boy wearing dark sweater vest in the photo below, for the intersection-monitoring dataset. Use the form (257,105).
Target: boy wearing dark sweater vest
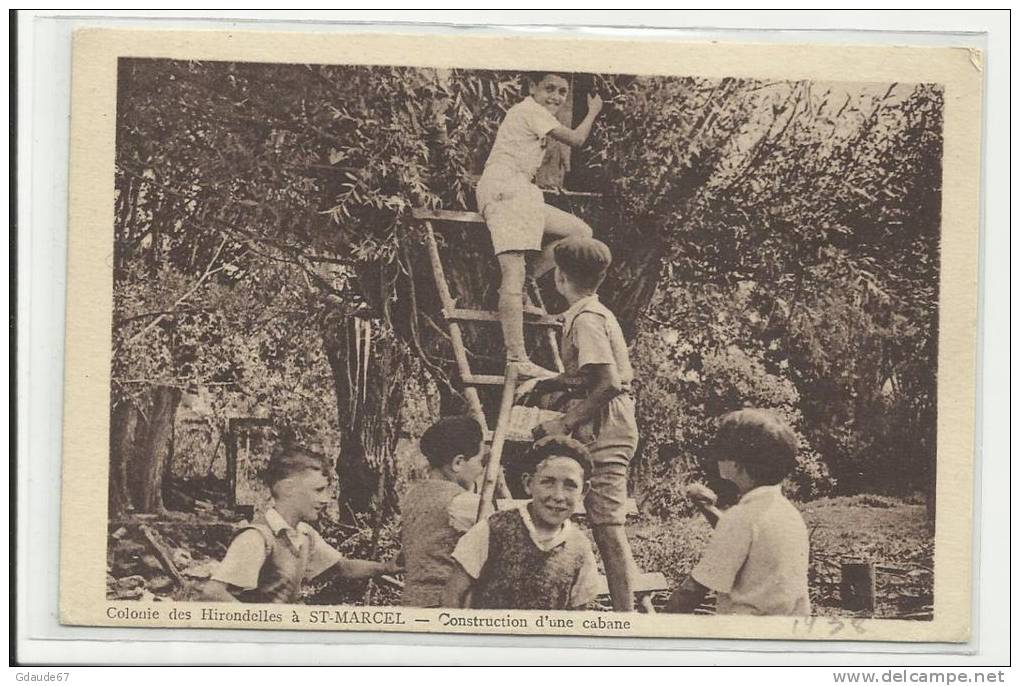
(532,557)
(269,559)
(436,512)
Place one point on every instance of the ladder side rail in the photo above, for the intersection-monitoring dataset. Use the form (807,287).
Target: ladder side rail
(456,338)
(493,471)
(554,346)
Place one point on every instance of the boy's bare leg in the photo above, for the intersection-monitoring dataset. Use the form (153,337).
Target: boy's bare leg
(558,225)
(511,314)
(618,559)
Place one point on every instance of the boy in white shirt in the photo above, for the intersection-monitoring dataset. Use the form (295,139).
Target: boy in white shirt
(757,558)
(514,207)
(270,559)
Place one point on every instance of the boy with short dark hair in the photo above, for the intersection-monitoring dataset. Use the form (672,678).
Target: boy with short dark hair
(531,557)
(436,512)
(597,372)
(270,558)
(514,208)
(757,558)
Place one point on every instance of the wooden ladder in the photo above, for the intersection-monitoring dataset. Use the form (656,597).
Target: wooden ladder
(455,316)
(493,483)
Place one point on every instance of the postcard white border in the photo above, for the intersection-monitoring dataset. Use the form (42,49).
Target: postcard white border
(37,258)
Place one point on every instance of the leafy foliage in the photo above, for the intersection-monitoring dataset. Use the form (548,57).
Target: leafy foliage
(776,244)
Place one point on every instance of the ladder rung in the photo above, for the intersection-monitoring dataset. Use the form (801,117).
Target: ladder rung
(508,504)
(483,379)
(490,316)
(487,436)
(447,215)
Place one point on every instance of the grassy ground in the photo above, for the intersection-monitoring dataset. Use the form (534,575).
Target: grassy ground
(889,532)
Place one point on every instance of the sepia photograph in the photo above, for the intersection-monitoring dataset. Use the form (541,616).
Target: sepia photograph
(540,349)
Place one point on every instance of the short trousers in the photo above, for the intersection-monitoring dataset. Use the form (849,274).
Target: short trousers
(514,210)
(611,453)
(606,502)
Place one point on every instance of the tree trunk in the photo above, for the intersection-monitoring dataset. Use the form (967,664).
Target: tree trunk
(367,364)
(156,450)
(123,439)
(632,280)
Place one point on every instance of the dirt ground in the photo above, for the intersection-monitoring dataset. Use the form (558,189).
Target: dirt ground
(891,533)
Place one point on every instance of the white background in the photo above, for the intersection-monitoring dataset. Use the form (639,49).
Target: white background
(43,92)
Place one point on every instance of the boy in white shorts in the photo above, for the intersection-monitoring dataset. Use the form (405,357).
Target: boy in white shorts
(514,207)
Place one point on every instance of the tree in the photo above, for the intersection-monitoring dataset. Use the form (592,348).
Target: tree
(804,216)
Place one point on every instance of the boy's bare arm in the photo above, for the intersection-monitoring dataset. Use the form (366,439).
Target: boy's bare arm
(364,569)
(604,384)
(686,598)
(577,136)
(712,514)
(458,589)
(216,591)
(541,386)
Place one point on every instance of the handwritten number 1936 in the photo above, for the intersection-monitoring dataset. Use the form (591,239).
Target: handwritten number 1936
(836,625)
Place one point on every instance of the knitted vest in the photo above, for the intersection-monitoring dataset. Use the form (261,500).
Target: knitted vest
(427,539)
(518,575)
(283,570)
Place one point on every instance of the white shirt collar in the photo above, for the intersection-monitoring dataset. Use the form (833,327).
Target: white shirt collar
(533,104)
(759,492)
(543,543)
(577,307)
(277,523)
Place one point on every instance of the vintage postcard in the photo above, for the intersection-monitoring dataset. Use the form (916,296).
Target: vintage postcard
(518,335)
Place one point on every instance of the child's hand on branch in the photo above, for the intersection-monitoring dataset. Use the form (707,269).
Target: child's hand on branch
(702,495)
(594,103)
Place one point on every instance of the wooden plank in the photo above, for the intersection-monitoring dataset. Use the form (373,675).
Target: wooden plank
(571,194)
(162,553)
(460,314)
(648,582)
(551,190)
(511,504)
(482,379)
(462,217)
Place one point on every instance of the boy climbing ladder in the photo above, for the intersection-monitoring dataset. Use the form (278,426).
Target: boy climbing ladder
(514,207)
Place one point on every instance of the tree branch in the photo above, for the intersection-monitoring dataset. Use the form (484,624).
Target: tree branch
(209,271)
